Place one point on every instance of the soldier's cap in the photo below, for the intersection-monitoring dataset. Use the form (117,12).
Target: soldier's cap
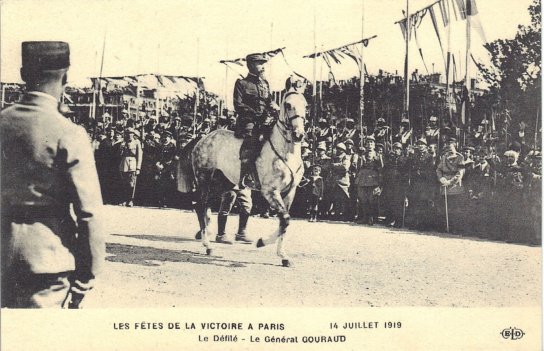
(381,120)
(422,141)
(397,145)
(513,153)
(130,130)
(232,118)
(350,120)
(469,148)
(167,133)
(349,142)
(322,146)
(380,145)
(405,121)
(450,140)
(256,58)
(177,119)
(207,120)
(370,138)
(341,146)
(433,118)
(125,112)
(45,55)
(516,146)
(323,121)
(485,121)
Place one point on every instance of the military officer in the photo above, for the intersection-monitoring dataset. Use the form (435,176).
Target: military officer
(450,173)
(395,185)
(432,132)
(405,133)
(340,181)
(48,258)
(131,152)
(253,104)
(369,181)
(381,133)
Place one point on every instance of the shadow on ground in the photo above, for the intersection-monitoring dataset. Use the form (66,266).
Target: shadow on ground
(151,256)
(171,239)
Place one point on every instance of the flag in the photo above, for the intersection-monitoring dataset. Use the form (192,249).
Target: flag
(472,10)
(435,26)
(443,6)
(461,8)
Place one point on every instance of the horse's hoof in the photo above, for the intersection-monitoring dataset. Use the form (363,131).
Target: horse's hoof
(285,263)
(260,243)
(208,252)
(198,235)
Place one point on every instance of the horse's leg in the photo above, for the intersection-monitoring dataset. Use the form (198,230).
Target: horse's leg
(276,202)
(287,200)
(203,211)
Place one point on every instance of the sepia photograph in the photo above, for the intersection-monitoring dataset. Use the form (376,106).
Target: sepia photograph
(271,174)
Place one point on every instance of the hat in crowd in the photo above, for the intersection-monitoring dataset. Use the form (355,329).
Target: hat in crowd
(397,145)
(256,58)
(433,119)
(516,146)
(323,120)
(405,121)
(167,133)
(349,142)
(469,148)
(450,140)
(177,119)
(510,153)
(207,120)
(380,145)
(322,146)
(421,141)
(485,121)
(350,120)
(381,120)
(232,118)
(124,112)
(45,55)
(370,138)
(341,146)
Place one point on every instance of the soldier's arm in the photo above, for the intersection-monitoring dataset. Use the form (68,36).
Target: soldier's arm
(238,99)
(84,191)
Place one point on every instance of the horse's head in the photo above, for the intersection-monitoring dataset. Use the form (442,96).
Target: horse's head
(294,109)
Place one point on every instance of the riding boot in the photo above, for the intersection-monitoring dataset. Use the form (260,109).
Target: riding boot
(242,231)
(221,224)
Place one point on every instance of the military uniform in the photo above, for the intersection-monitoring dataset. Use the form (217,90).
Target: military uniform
(422,188)
(395,186)
(369,180)
(129,167)
(450,173)
(340,182)
(47,166)
(253,103)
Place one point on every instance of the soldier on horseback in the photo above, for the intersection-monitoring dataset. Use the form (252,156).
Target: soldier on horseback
(254,105)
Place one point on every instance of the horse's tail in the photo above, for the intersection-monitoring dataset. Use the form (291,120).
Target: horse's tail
(186,175)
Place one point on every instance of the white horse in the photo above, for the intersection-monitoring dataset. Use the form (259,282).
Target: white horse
(279,167)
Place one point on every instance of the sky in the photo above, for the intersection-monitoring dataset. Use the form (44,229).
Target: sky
(185,37)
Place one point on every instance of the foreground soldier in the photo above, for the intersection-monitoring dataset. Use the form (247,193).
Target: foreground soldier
(47,166)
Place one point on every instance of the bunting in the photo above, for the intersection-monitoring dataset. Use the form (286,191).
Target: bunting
(240,61)
(339,53)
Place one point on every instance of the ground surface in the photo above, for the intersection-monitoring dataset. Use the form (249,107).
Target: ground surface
(154,261)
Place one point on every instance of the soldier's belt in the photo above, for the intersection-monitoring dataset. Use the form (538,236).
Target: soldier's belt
(26,212)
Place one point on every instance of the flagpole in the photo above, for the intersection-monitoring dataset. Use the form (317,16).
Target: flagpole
(468,82)
(197,92)
(362,76)
(314,89)
(407,63)
(3,94)
(101,66)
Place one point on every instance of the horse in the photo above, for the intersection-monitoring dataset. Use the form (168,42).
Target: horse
(279,167)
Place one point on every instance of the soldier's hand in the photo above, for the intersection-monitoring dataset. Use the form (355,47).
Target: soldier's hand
(406,202)
(444,181)
(137,172)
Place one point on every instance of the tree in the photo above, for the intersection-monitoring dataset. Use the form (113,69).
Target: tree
(515,74)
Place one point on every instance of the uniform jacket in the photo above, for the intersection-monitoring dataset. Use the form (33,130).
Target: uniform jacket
(340,171)
(317,186)
(370,169)
(252,100)
(131,156)
(48,165)
(452,167)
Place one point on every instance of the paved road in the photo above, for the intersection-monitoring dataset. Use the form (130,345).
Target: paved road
(153,261)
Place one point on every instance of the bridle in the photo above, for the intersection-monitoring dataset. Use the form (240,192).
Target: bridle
(286,127)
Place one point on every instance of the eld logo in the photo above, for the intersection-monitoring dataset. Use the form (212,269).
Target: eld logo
(512,333)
